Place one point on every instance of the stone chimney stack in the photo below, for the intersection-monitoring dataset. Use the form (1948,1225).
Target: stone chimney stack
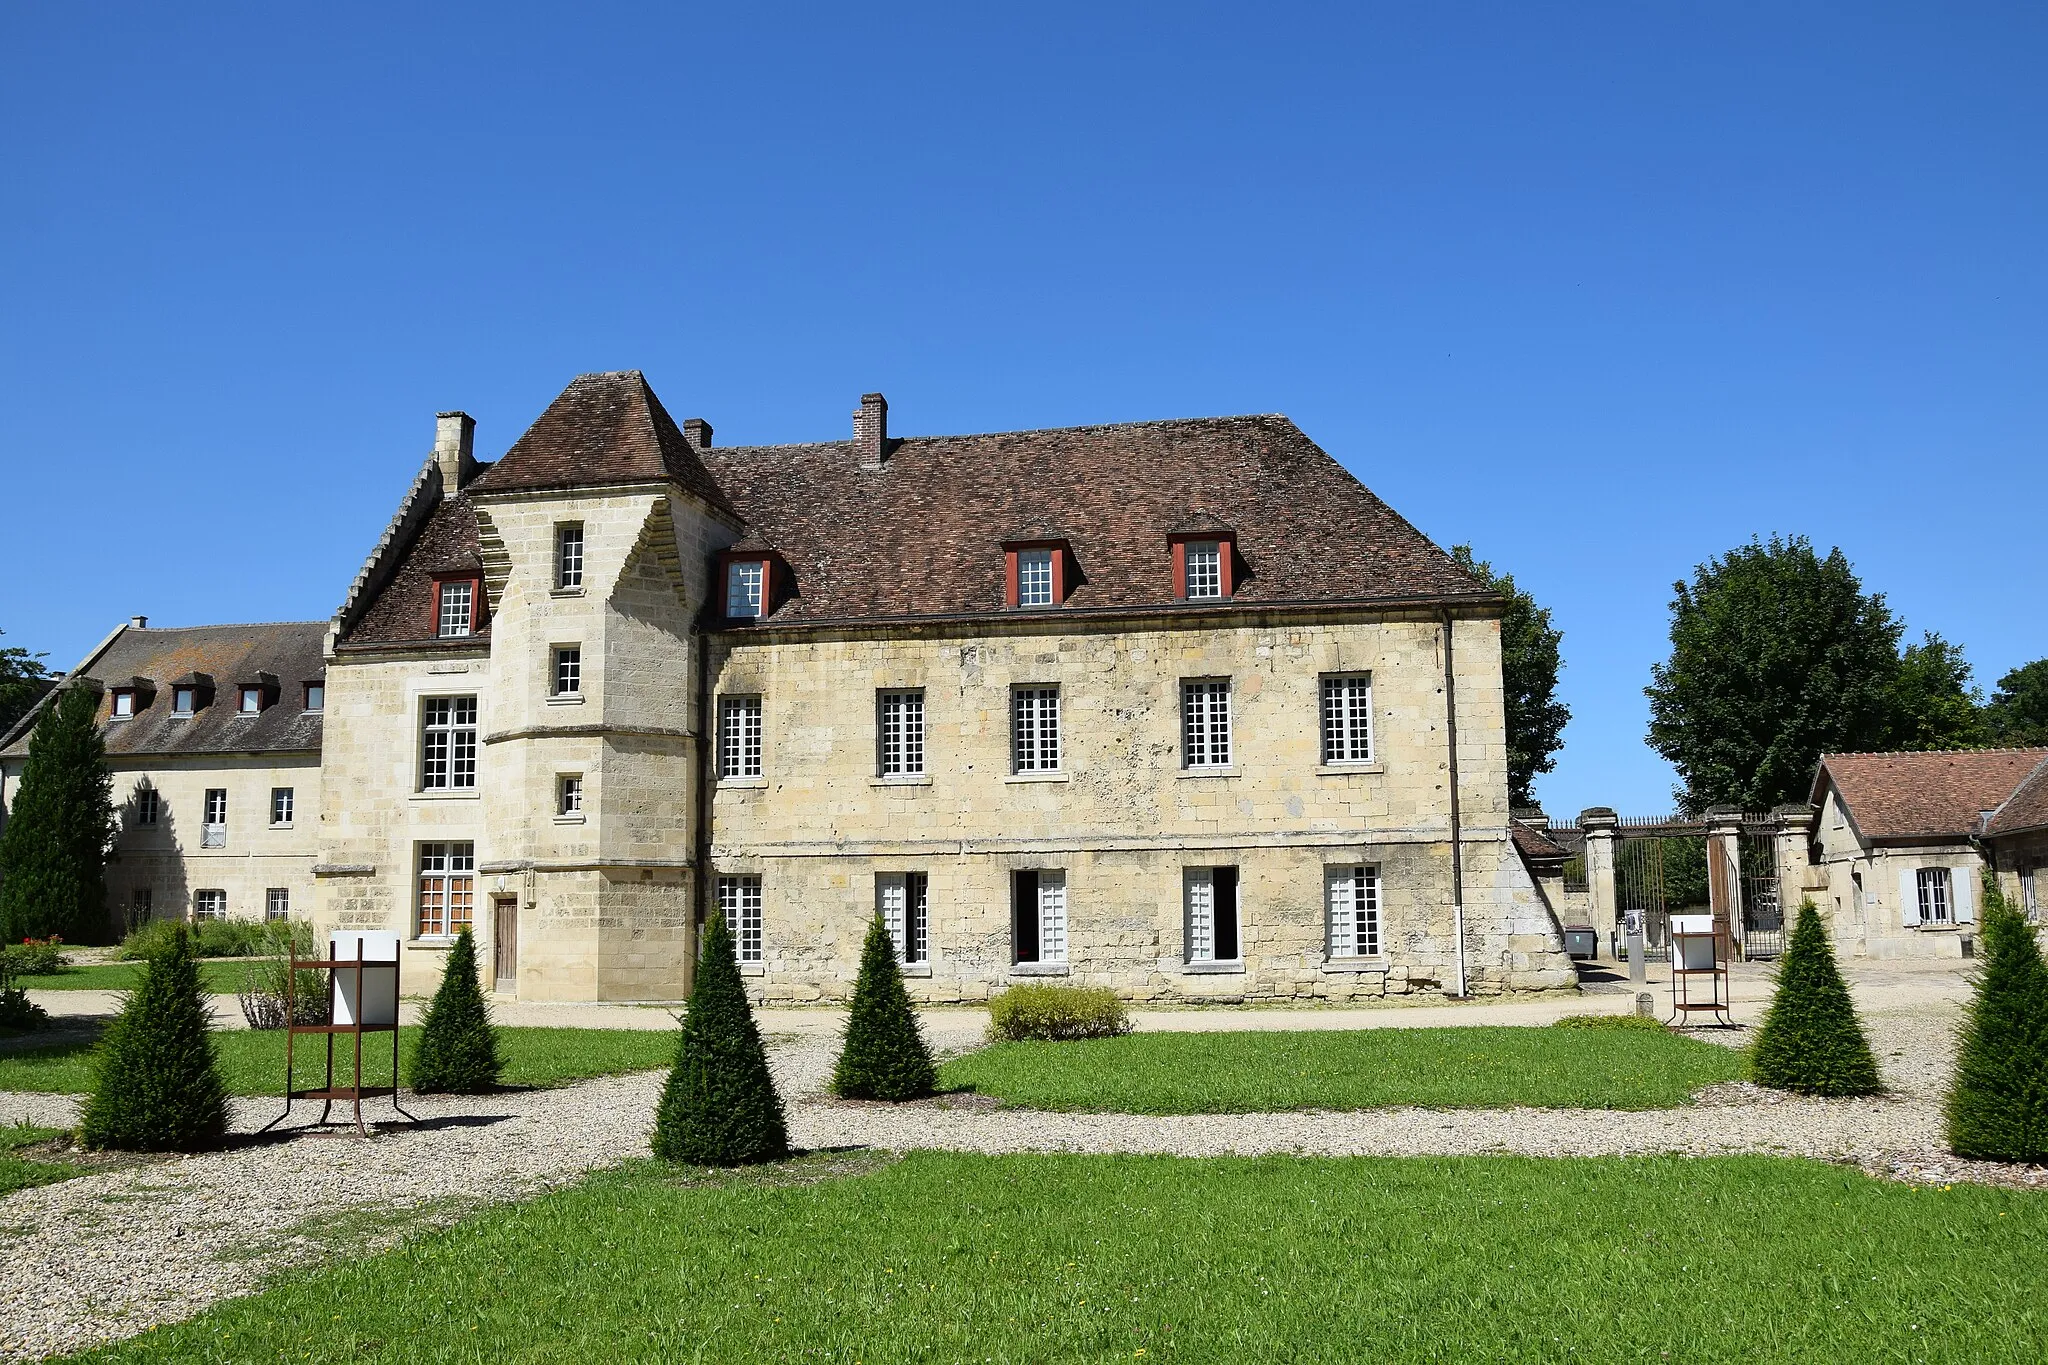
(871,430)
(697,432)
(455,450)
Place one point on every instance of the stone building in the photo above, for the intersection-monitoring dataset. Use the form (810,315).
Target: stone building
(1175,707)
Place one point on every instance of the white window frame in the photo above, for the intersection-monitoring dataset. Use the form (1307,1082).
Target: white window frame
(904,901)
(746,582)
(1354,925)
(569,794)
(149,805)
(1936,890)
(283,806)
(569,556)
(1347,718)
(1050,888)
(739,900)
(739,736)
(1035,728)
(1202,570)
(277,903)
(900,732)
(209,903)
(184,700)
(122,706)
(2030,899)
(1034,578)
(213,825)
(445,904)
(448,743)
(456,610)
(1205,723)
(1198,915)
(251,700)
(567,679)
(316,696)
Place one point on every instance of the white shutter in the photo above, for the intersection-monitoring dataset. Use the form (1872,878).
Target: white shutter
(1343,918)
(1201,914)
(1961,895)
(889,888)
(1052,917)
(1909,898)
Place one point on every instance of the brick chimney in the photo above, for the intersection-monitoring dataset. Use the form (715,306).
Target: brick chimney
(455,450)
(871,430)
(697,432)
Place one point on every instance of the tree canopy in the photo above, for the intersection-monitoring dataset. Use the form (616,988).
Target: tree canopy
(2017,714)
(53,851)
(23,680)
(1529,664)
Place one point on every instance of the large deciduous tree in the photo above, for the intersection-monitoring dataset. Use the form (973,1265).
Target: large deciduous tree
(1529,664)
(1933,704)
(53,852)
(2017,713)
(23,680)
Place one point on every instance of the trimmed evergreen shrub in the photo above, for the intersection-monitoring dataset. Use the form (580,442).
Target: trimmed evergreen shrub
(458,1051)
(53,850)
(1998,1106)
(1810,1041)
(884,1056)
(158,1089)
(18,1013)
(1057,1013)
(719,1107)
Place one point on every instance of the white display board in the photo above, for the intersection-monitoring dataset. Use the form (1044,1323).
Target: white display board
(1692,942)
(378,1004)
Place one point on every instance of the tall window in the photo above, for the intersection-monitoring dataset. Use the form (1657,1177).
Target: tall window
(2030,900)
(1347,719)
(141,906)
(1935,899)
(743,589)
(211,904)
(316,696)
(569,555)
(739,737)
(447,889)
(281,803)
(213,829)
(448,747)
(568,670)
(1354,903)
(1034,578)
(458,602)
(1210,894)
(739,900)
(1205,723)
(1035,729)
(904,899)
(1038,910)
(149,806)
(1204,568)
(569,795)
(900,733)
(277,903)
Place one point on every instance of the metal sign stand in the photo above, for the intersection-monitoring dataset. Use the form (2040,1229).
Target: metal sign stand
(359,1012)
(1699,971)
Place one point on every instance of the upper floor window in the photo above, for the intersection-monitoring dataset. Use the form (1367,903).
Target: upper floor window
(457,610)
(744,579)
(1204,569)
(1205,722)
(148,806)
(281,804)
(213,829)
(739,737)
(447,894)
(316,696)
(569,795)
(183,700)
(1036,573)
(1203,566)
(569,555)
(904,899)
(1347,719)
(900,733)
(568,681)
(252,700)
(1353,896)
(1034,578)
(1035,729)
(448,744)
(739,900)
(123,704)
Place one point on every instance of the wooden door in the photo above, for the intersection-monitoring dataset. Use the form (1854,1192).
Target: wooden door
(505,943)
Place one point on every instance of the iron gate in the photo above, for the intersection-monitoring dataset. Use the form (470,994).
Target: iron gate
(1660,870)
(1763,908)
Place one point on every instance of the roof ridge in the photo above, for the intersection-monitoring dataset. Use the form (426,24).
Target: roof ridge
(1915,753)
(232,625)
(1023,431)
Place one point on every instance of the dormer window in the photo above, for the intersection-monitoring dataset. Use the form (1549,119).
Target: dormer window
(123,703)
(252,701)
(1204,569)
(1203,565)
(183,700)
(457,617)
(744,583)
(1034,578)
(316,696)
(1036,573)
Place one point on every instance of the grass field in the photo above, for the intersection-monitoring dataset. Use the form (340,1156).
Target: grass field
(18,1172)
(1073,1258)
(221,976)
(1222,1073)
(253,1063)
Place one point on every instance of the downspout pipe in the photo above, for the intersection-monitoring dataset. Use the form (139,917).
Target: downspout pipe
(706,729)
(1457,829)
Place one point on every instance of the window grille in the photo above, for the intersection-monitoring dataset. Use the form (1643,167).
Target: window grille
(209,905)
(572,796)
(739,899)
(739,737)
(743,589)
(569,556)
(213,829)
(905,902)
(569,671)
(457,602)
(447,889)
(1204,560)
(148,806)
(1354,895)
(1035,729)
(1205,723)
(277,903)
(281,803)
(1934,895)
(901,733)
(1347,720)
(448,744)
(1034,578)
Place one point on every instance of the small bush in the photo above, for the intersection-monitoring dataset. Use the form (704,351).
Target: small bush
(884,1056)
(1998,1107)
(458,1051)
(208,938)
(1609,1021)
(1057,1013)
(719,1107)
(268,982)
(158,1087)
(1810,1042)
(34,957)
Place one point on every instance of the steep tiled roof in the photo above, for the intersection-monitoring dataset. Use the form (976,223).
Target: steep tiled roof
(229,655)
(2026,808)
(402,611)
(1924,795)
(921,536)
(603,428)
(1536,847)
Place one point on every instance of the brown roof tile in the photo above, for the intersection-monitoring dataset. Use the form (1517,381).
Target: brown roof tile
(1942,794)
(2026,808)
(1535,846)
(403,610)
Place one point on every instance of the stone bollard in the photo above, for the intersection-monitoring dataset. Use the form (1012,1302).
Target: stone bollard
(1646,1004)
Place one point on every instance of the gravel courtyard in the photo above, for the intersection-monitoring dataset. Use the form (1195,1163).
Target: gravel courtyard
(108,1255)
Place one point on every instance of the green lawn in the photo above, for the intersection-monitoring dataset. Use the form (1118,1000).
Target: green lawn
(253,1063)
(1225,1073)
(221,976)
(945,1257)
(18,1172)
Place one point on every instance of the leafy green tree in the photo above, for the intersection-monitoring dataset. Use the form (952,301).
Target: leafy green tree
(2017,714)
(1998,1103)
(23,681)
(1529,664)
(158,1088)
(53,852)
(1810,1041)
(719,1107)
(458,1051)
(1933,704)
(884,1056)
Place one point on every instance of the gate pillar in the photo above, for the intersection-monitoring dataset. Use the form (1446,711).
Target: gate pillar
(1600,825)
(1724,875)
(1795,831)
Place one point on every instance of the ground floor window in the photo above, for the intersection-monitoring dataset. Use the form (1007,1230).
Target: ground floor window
(141,906)
(739,900)
(1353,894)
(1038,913)
(447,889)
(277,903)
(1209,908)
(210,904)
(904,900)
(2030,904)
(1933,888)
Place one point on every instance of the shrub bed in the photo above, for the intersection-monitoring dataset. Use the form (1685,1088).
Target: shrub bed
(1057,1013)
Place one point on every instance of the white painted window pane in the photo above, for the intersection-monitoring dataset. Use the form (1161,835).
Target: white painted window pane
(902,733)
(448,743)
(456,609)
(917,909)
(1052,917)
(281,803)
(277,903)
(568,671)
(739,898)
(891,892)
(1034,578)
(1354,904)
(569,557)
(1201,914)
(316,696)
(1205,723)
(1934,895)
(209,905)
(1035,729)
(739,737)
(1204,569)
(743,589)
(1347,720)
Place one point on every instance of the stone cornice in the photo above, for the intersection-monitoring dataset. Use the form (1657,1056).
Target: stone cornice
(599,730)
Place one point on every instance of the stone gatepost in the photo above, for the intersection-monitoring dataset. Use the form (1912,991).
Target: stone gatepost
(1789,845)
(1600,826)
(1724,875)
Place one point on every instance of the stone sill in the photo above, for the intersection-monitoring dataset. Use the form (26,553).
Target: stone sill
(1038,969)
(429,945)
(565,592)
(469,794)
(915,969)
(1053,776)
(1228,771)
(1355,964)
(568,819)
(566,699)
(1235,968)
(745,784)
(753,969)
(921,780)
(1374,769)
(285,826)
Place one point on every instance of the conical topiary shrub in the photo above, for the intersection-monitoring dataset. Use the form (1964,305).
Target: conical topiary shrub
(884,1056)
(458,1051)
(1998,1106)
(158,1089)
(719,1107)
(1810,1041)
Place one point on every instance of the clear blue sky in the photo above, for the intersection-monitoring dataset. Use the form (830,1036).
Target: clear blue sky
(1602,290)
